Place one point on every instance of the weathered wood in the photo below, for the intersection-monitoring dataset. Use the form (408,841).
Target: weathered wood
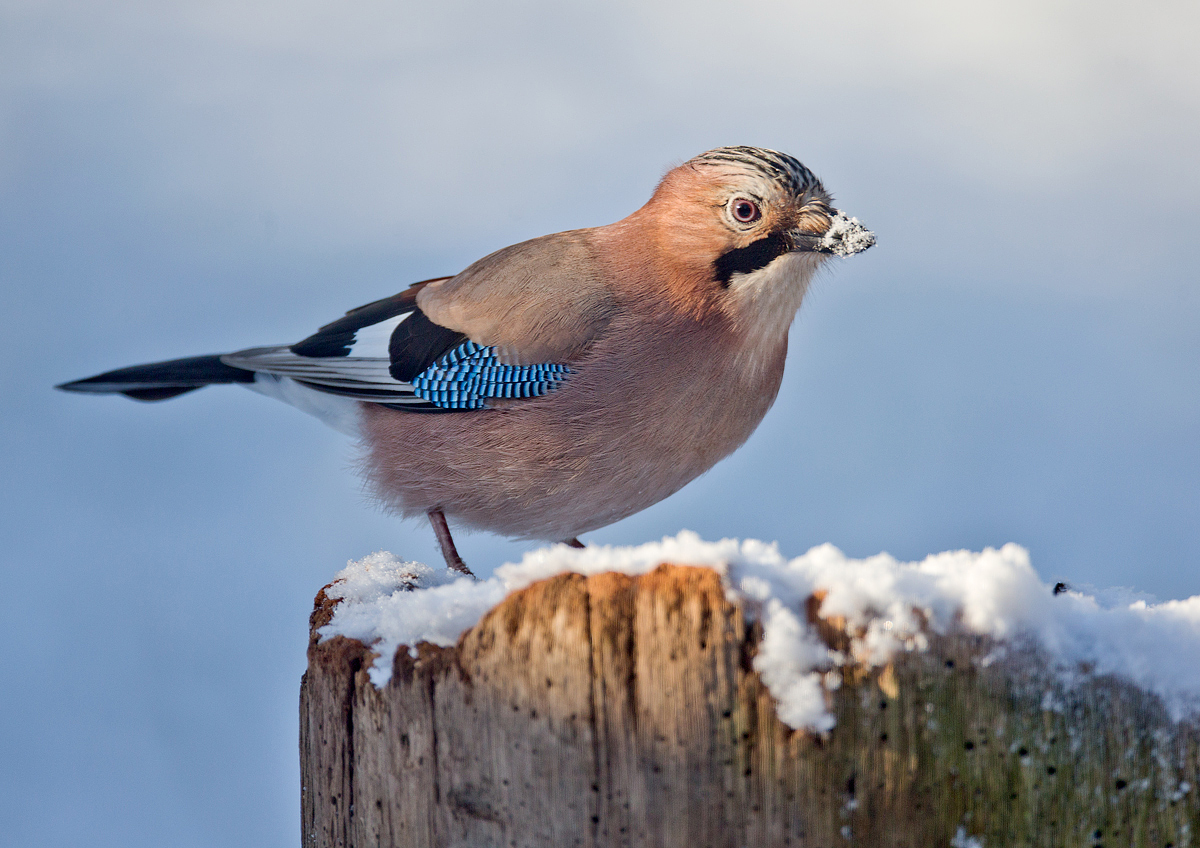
(619,711)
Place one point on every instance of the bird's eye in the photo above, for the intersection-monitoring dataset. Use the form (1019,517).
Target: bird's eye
(744,211)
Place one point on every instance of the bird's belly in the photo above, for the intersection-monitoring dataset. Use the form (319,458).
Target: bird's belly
(578,459)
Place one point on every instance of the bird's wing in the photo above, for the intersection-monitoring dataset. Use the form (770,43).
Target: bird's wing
(543,300)
(494,332)
(353,356)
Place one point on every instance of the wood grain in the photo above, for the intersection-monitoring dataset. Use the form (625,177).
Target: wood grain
(624,711)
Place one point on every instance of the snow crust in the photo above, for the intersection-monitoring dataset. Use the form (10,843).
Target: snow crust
(846,236)
(888,606)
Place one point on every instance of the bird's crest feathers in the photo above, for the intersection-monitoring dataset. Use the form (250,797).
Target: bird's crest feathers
(778,167)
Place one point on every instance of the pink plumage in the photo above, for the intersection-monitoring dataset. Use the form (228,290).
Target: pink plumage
(563,383)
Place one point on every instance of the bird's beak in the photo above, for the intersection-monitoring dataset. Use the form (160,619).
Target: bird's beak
(844,237)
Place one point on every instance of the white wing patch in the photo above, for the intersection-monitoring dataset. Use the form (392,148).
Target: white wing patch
(371,342)
(363,375)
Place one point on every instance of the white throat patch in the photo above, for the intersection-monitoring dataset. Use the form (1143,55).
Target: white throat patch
(769,297)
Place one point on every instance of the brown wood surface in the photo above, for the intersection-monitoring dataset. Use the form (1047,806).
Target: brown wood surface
(610,710)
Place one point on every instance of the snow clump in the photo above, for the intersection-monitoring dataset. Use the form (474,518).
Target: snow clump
(887,606)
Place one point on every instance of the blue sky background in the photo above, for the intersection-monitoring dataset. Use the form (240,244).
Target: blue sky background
(1017,360)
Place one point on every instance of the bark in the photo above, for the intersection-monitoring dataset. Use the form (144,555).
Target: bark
(624,711)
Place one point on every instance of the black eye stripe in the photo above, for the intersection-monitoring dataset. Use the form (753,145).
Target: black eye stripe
(744,260)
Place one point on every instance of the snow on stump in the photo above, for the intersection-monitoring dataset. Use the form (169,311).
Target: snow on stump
(752,701)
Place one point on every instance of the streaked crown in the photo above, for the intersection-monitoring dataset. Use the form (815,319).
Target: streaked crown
(771,164)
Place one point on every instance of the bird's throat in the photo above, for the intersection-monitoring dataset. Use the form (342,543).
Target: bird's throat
(753,257)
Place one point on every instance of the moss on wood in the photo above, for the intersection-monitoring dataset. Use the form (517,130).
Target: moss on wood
(616,710)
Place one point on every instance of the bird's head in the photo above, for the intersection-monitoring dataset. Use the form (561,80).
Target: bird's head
(743,229)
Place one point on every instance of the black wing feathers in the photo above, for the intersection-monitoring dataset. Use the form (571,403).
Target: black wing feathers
(417,343)
(336,337)
(162,380)
(350,356)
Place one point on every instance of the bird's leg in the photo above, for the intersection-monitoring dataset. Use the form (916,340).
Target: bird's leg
(446,542)
(573,543)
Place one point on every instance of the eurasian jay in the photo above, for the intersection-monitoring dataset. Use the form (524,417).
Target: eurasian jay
(566,382)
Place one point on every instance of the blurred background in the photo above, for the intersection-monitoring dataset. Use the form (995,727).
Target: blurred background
(1018,359)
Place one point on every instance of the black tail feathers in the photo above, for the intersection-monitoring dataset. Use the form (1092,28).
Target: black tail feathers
(162,380)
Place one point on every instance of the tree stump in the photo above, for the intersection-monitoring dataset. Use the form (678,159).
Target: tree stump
(624,711)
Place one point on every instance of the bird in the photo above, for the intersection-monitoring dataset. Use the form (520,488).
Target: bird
(563,383)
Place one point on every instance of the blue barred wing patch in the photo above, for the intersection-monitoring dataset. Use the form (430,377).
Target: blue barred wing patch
(470,374)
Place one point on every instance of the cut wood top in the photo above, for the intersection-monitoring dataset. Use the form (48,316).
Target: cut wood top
(878,607)
(619,709)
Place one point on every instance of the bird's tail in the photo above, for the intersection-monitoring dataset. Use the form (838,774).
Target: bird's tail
(162,380)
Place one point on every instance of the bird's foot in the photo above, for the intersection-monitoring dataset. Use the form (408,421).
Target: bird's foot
(446,542)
